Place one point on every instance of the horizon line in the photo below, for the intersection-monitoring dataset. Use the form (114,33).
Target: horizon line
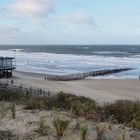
(65,44)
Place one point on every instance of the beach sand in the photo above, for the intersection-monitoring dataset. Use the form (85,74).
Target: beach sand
(101,90)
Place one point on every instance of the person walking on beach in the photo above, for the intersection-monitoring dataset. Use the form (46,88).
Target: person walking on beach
(139,78)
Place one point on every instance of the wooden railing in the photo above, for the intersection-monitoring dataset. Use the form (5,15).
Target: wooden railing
(30,91)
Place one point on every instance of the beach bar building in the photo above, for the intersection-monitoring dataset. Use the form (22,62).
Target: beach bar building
(6,66)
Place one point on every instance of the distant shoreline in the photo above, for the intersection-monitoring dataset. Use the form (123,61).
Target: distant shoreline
(91,78)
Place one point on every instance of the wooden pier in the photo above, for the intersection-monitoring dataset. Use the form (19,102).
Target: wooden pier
(79,76)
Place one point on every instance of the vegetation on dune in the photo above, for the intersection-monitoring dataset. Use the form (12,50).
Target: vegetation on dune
(100,131)
(35,103)
(12,108)
(7,135)
(42,127)
(123,111)
(9,96)
(135,122)
(60,125)
(77,108)
(84,130)
(3,109)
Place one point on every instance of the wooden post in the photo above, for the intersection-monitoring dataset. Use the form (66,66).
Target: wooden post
(21,87)
(40,92)
(49,94)
(30,91)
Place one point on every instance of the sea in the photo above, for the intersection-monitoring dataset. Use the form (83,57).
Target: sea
(68,59)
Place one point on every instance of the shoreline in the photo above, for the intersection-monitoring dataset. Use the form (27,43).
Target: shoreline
(101,90)
(106,77)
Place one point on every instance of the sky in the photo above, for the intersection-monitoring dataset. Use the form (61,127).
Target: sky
(69,21)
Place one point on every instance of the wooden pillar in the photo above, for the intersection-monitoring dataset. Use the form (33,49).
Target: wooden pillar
(11,73)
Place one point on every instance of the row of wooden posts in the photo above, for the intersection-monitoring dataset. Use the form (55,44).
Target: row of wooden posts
(25,91)
(79,76)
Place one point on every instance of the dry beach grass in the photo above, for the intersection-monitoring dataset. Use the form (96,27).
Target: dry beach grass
(67,117)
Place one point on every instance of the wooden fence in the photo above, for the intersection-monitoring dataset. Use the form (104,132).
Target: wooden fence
(30,91)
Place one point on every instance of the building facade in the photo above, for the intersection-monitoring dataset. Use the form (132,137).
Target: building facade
(6,66)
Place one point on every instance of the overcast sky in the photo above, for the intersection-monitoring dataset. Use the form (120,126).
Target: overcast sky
(69,21)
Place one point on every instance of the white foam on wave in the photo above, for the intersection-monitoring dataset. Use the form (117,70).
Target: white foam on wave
(109,52)
(16,50)
(67,63)
(138,56)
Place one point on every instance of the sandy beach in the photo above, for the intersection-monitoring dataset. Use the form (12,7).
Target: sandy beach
(27,118)
(101,90)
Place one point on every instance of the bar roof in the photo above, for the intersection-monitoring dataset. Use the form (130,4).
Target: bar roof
(1,58)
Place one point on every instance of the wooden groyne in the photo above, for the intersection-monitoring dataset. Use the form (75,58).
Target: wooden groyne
(79,76)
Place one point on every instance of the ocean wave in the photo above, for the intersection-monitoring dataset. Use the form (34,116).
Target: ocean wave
(16,50)
(110,52)
(84,47)
(52,63)
(135,56)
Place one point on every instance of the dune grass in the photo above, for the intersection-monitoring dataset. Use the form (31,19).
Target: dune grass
(12,108)
(42,128)
(60,125)
(83,133)
(124,111)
